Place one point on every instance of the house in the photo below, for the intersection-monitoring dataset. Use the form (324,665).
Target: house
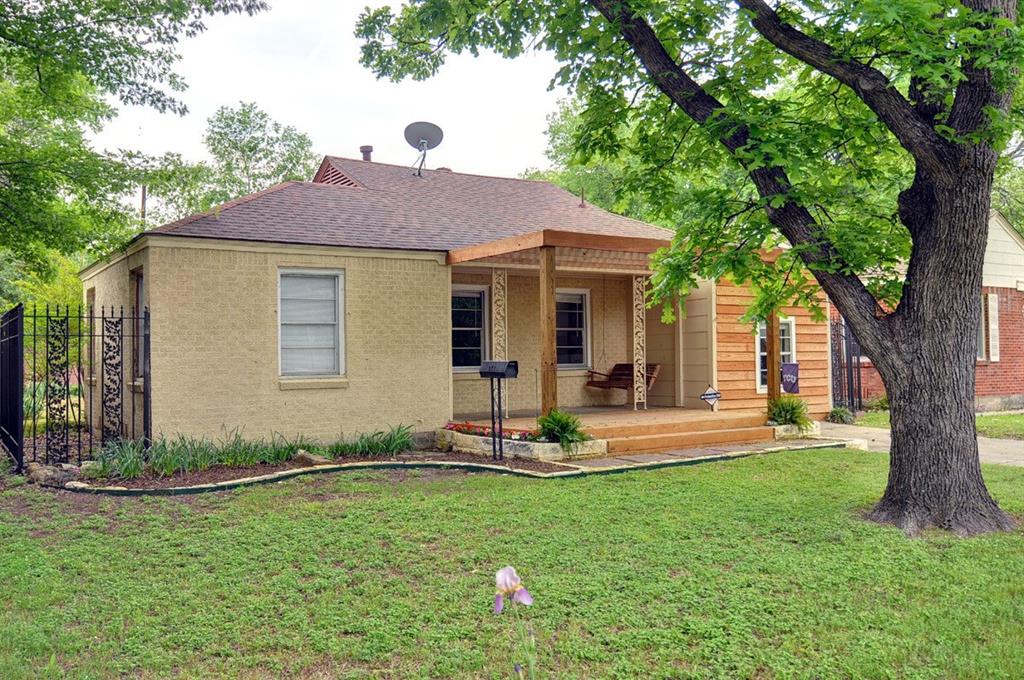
(369,296)
(999,378)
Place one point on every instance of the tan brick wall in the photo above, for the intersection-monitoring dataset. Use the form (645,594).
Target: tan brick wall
(610,338)
(112,291)
(215,341)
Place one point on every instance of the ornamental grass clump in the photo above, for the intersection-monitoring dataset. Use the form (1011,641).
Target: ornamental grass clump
(166,457)
(841,416)
(380,443)
(789,410)
(564,428)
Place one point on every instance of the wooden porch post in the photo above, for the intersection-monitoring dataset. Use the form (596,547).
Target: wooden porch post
(774,351)
(639,342)
(548,350)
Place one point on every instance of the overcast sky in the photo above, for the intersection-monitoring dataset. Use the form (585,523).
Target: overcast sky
(299,62)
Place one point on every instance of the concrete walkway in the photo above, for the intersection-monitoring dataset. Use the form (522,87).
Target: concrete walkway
(1002,451)
(625,461)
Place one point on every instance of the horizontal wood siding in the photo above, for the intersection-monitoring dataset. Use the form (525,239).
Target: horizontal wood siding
(697,344)
(736,361)
(1004,255)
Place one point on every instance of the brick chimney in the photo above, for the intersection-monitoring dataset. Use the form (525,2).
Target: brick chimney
(367,151)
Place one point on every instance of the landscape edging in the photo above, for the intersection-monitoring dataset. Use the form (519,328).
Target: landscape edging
(81,487)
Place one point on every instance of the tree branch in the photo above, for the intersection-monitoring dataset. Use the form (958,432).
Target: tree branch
(914,132)
(794,221)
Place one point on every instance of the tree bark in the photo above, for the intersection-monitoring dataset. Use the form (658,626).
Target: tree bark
(929,372)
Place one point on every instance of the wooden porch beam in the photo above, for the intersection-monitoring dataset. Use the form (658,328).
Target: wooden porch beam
(556,237)
(774,351)
(548,349)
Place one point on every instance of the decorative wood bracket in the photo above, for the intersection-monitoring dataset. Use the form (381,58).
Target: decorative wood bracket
(639,342)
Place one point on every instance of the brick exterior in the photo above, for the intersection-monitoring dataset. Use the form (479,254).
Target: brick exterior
(215,335)
(215,340)
(998,384)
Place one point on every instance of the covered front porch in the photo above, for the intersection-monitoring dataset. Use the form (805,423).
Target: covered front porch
(568,307)
(656,428)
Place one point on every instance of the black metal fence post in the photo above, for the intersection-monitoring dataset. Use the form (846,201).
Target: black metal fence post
(147,389)
(12,385)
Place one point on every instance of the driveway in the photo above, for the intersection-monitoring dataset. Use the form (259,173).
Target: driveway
(1002,451)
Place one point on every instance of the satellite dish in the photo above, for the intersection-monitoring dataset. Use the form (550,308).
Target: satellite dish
(422,136)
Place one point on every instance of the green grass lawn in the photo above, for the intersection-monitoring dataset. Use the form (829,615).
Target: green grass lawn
(1000,426)
(757,567)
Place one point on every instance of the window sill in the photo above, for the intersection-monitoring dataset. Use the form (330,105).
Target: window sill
(333,383)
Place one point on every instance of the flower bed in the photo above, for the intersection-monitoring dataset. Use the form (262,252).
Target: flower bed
(479,444)
(509,433)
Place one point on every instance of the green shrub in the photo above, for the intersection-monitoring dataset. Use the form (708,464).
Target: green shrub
(121,458)
(166,457)
(379,443)
(841,415)
(33,400)
(879,403)
(789,410)
(562,427)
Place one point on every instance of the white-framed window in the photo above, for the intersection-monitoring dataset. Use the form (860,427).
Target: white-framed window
(983,331)
(311,316)
(469,327)
(787,348)
(572,328)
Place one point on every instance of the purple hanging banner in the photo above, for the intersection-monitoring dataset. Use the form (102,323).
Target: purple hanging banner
(791,378)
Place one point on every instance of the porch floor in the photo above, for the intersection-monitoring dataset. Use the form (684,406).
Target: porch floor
(658,429)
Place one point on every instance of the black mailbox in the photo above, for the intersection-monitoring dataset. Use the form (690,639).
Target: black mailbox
(499,369)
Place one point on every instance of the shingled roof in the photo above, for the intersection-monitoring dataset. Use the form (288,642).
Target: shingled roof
(365,204)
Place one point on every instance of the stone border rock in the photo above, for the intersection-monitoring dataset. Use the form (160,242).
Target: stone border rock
(794,431)
(574,471)
(544,451)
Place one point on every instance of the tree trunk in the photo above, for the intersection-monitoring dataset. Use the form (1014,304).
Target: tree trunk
(929,371)
(934,471)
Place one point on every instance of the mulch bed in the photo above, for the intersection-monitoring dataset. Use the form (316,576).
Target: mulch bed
(225,474)
(80,446)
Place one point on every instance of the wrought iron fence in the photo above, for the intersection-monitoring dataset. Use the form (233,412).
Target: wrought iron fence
(72,380)
(847,387)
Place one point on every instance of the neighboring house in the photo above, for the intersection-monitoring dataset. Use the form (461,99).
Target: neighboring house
(369,296)
(1000,369)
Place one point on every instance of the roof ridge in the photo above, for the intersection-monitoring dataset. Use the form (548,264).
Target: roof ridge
(449,171)
(217,209)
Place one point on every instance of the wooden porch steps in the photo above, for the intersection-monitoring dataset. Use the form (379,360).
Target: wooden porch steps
(642,427)
(664,431)
(667,441)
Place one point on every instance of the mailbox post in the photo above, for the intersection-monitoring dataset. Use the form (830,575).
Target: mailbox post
(498,371)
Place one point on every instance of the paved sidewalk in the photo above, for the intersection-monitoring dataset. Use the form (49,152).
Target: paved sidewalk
(1002,451)
(625,461)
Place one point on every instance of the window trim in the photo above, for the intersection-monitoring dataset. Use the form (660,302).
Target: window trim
(138,293)
(485,334)
(983,332)
(587,325)
(339,283)
(791,321)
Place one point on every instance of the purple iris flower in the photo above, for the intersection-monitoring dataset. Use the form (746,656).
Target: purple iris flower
(510,585)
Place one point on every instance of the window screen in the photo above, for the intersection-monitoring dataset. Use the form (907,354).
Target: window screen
(310,324)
